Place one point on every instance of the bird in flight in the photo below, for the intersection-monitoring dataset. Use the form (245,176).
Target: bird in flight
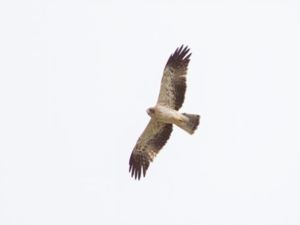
(164,114)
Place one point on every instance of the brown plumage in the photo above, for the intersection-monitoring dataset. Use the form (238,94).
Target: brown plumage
(154,137)
(164,114)
(173,83)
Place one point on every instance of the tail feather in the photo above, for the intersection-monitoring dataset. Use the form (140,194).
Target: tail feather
(191,124)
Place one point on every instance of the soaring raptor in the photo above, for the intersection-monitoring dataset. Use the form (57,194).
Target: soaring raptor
(164,114)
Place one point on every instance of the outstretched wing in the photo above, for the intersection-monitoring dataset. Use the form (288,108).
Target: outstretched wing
(173,83)
(148,145)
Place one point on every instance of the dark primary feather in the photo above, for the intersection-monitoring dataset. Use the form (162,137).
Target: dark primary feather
(146,149)
(179,58)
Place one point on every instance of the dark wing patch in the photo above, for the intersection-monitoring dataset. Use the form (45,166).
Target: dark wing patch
(173,84)
(154,137)
(138,163)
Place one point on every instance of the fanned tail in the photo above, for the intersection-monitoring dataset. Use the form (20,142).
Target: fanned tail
(191,124)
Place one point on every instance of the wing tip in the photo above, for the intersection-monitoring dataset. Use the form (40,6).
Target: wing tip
(137,166)
(181,56)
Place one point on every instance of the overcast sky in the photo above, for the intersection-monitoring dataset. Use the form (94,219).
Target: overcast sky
(76,78)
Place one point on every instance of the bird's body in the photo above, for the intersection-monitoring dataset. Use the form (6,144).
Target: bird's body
(164,114)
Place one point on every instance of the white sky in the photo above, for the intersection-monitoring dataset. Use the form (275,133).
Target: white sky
(77,76)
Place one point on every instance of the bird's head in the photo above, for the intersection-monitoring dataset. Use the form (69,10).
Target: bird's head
(151,111)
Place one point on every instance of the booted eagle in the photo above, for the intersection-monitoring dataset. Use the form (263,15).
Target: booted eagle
(164,114)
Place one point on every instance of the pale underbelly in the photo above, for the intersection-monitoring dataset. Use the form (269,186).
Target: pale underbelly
(167,115)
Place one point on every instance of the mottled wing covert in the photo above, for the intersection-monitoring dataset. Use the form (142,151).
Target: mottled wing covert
(173,83)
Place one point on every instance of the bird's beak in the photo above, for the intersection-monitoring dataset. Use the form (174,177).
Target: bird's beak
(149,111)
